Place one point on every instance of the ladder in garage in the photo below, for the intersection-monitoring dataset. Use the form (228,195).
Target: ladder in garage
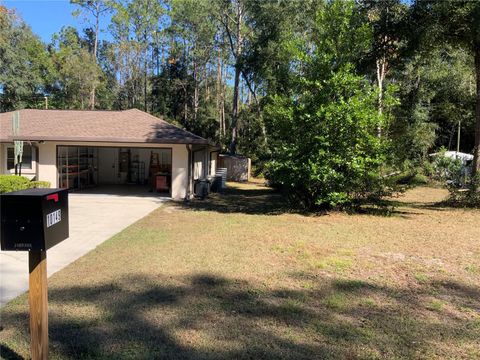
(154,164)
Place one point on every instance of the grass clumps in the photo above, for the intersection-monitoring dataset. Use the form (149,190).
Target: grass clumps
(334,263)
(435,305)
(473,269)
(336,301)
(421,278)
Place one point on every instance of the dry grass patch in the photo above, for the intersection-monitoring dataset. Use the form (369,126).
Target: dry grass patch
(240,276)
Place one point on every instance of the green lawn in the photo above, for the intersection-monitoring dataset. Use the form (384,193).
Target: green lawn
(240,277)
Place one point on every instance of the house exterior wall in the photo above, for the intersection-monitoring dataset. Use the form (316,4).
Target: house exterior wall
(179,171)
(47,162)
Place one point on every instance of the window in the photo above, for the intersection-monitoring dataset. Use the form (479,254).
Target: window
(26,157)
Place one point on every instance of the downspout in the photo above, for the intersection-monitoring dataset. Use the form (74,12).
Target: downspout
(189,172)
(206,171)
(37,160)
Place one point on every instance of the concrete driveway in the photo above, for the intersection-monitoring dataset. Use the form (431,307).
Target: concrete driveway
(94,218)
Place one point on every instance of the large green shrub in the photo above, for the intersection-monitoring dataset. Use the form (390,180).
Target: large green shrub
(325,147)
(9,183)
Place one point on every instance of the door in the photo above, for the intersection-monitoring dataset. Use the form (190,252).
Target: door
(108,165)
(123,165)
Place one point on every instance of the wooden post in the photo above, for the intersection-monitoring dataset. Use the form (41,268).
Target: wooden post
(37,263)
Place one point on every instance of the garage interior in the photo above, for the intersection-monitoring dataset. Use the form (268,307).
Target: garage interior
(138,169)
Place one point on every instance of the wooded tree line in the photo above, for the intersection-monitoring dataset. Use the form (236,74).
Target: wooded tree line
(325,96)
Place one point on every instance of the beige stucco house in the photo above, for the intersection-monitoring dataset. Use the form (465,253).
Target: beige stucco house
(94,149)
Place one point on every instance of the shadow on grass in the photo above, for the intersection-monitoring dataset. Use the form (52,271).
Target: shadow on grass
(210,317)
(256,199)
(405,209)
(252,200)
(260,200)
(8,354)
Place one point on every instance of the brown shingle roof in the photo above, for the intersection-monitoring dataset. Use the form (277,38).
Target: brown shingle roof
(133,126)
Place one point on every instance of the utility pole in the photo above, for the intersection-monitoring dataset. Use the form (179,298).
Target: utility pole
(18,145)
(458,136)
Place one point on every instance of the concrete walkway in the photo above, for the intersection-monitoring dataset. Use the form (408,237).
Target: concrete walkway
(94,218)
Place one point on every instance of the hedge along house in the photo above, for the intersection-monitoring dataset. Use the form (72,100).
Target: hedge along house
(84,149)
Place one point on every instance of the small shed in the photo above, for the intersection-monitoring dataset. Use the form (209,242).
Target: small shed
(238,167)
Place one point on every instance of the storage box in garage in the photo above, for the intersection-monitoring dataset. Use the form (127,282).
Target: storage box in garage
(161,183)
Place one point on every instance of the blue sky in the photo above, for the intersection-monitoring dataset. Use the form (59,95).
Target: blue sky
(46,17)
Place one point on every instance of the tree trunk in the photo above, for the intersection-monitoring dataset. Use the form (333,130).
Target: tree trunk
(218,90)
(205,79)
(238,51)
(233,143)
(195,91)
(95,49)
(145,79)
(185,108)
(476,152)
(381,67)
(224,95)
(158,53)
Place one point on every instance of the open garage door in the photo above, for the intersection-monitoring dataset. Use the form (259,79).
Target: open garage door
(86,167)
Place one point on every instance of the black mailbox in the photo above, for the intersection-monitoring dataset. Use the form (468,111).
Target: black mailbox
(33,219)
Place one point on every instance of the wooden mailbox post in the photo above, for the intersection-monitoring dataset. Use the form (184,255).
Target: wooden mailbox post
(34,220)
